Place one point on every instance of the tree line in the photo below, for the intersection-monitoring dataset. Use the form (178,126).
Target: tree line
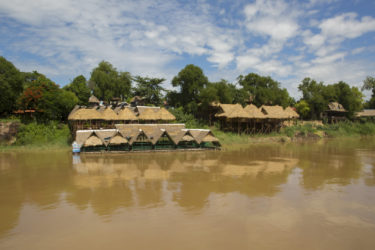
(192,93)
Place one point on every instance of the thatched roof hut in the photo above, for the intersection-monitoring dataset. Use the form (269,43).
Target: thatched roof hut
(108,114)
(105,134)
(93,141)
(85,114)
(254,112)
(149,114)
(232,111)
(274,112)
(82,136)
(210,138)
(118,140)
(199,134)
(336,107)
(126,114)
(165,115)
(93,100)
(292,113)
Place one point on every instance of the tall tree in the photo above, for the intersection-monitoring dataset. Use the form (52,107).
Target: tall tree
(150,89)
(191,82)
(369,84)
(107,83)
(79,87)
(264,90)
(47,99)
(11,85)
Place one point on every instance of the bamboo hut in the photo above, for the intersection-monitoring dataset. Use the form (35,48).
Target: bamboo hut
(210,141)
(163,141)
(84,118)
(105,135)
(118,143)
(94,101)
(82,136)
(187,140)
(139,141)
(256,119)
(335,113)
(109,117)
(232,117)
(275,117)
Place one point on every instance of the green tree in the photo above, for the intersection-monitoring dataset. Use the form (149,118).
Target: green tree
(303,109)
(11,86)
(313,93)
(150,89)
(47,99)
(369,84)
(79,87)
(107,83)
(264,90)
(191,82)
(351,98)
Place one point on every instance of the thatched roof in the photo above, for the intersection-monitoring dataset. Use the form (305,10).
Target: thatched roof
(366,113)
(232,111)
(168,127)
(93,99)
(105,134)
(199,134)
(76,107)
(108,114)
(93,141)
(149,114)
(157,136)
(177,134)
(292,113)
(82,136)
(335,106)
(210,138)
(187,138)
(118,140)
(126,114)
(141,109)
(85,114)
(165,115)
(153,133)
(254,112)
(274,112)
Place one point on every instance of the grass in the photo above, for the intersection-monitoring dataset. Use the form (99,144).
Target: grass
(40,136)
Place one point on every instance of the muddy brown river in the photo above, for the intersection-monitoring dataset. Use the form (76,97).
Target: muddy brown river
(312,195)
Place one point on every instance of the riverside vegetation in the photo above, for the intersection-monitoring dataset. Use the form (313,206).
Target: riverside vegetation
(189,101)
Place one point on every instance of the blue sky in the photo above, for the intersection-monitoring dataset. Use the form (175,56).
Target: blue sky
(327,40)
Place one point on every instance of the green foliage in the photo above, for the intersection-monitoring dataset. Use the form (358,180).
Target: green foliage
(264,90)
(79,87)
(34,134)
(318,95)
(11,84)
(191,82)
(47,99)
(189,119)
(369,84)
(150,89)
(303,109)
(107,83)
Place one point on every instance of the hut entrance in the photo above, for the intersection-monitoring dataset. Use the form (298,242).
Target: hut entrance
(93,144)
(142,142)
(118,143)
(188,141)
(164,142)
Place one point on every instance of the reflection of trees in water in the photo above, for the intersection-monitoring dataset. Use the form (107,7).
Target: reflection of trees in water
(114,181)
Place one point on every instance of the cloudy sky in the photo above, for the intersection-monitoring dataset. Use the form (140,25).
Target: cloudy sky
(328,40)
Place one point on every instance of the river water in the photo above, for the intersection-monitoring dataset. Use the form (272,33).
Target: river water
(312,195)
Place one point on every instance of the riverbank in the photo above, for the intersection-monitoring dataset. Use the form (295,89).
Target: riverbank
(56,136)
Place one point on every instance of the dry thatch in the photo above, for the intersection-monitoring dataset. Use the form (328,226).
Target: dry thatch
(291,112)
(149,114)
(253,112)
(232,111)
(165,115)
(105,134)
(168,127)
(85,114)
(335,106)
(176,135)
(199,134)
(76,107)
(93,141)
(108,114)
(93,99)
(187,138)
(366,113)
(153,133)
(274,112)
(82,136)
(118,140)
(210,138)
(126,115)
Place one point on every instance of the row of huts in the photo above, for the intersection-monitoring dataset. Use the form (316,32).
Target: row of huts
(251,119)
(140,137)
(105,117)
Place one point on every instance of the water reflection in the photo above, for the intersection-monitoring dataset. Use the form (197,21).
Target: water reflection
(191,182)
